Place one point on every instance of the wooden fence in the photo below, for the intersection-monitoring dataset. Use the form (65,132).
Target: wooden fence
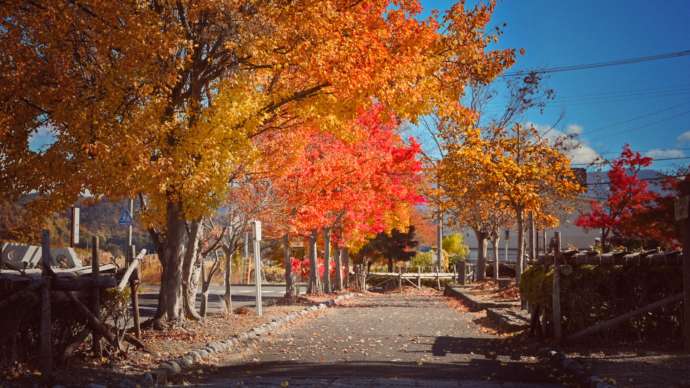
(79,286)
(561,260)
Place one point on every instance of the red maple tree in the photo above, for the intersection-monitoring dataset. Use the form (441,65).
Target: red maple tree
(628,201)
(352,185)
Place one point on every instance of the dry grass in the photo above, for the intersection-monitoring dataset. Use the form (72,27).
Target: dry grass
(150,271)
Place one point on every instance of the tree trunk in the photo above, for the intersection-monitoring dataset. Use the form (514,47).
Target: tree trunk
(327,260)
(520,263)
(289,279)
(313,287)
(191,270)
(496,246)
(346,258)
(390,265)
(481,254)
(171,254)
(205,285)
(227,297)
(339,269)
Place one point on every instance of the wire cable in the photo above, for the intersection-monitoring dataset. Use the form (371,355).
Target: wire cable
(586,66)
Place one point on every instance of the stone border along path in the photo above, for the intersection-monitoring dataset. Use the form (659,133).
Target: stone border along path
(174,367)
(504,315)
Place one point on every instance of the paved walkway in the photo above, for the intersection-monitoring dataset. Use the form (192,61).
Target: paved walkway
(385,340)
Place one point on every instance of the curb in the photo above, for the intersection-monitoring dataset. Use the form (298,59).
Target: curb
(571,365)
(508,319)
(503,314)
(554,357)
(473,303)
(168,369)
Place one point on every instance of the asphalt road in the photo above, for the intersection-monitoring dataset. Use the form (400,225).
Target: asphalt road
(384,341)
(242,295)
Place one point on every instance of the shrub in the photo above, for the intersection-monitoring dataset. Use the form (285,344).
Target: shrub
(425,261)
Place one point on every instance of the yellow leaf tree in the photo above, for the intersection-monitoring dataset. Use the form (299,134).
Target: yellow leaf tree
(166,100)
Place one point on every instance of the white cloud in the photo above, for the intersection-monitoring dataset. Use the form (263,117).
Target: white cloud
(577,149)
(684,137)
(665,153)
(574,129)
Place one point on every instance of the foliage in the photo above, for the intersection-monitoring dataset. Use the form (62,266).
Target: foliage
(173,101)
(358,187)
(302,267)
(631,206)
(591,294)
(395,245)
(425,261)
(455,245)
(274,273)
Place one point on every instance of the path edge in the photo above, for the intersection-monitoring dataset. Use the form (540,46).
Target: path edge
(175,366)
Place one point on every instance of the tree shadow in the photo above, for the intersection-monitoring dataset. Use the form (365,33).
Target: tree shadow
(474,369)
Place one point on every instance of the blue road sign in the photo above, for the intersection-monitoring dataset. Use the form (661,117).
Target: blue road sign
(125,217)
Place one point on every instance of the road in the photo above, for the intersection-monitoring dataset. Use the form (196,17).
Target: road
(384,341)
(242,295)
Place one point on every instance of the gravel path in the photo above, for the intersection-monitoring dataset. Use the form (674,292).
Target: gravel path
(385,341)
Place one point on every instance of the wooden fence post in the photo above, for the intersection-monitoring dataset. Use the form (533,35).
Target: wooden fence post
(46,357)
(400,279)
(462,272)
(134,288)
(556,295)
(96,293)
(419,278)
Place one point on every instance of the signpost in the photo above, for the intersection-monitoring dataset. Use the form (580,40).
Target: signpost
(125,217)
(256,237)
(74,227)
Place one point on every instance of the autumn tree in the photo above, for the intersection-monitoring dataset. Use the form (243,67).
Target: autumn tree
(395,245)
(628,204)
(355,188)
(165,100)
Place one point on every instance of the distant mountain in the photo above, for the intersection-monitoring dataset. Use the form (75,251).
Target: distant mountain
(597,182)
(96,219)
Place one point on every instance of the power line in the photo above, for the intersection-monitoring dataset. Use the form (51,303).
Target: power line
(562,103)
(642,116)
(642,126)
(585,66)
(661,178)
(641,151)
(606,161)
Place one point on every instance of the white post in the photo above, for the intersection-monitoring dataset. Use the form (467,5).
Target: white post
(74,227)
(129,229)
(256,229)
(439,241)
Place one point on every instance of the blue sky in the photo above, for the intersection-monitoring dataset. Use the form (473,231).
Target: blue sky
(646,105)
